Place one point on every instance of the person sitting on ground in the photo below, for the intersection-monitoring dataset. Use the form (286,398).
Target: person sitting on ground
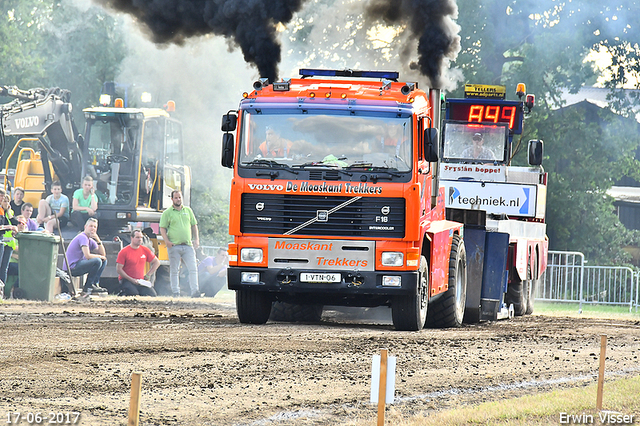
(27,211)
(478,151)
(85,203)
(212,273)
(130,266)
(274,145)
(86,255)
(54,206)
(18,200)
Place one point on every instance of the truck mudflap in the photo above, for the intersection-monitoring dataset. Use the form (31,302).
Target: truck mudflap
(354,288)
(486,275)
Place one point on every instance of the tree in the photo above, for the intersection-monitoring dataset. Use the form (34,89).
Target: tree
(47,44)
(83,49)
(21,23)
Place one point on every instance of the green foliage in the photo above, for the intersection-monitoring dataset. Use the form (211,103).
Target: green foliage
(21,23)
(83,50)
(213,216)
(55,44)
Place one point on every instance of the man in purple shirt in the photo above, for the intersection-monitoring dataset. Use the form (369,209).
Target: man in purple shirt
(212,273)
(86,255)
(27,211)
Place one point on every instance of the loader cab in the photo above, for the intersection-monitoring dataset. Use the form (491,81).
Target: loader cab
(135,158)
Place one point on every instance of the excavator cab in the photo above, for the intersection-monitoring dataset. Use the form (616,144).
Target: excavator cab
(135,158)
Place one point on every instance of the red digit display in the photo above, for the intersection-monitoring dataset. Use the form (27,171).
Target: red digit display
(509,115)
(476,112)
(481,111)
(492,113)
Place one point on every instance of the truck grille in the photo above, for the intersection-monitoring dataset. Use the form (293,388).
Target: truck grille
(279,214)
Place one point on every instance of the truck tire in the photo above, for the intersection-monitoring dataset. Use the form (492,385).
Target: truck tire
(293,312)
(253,307)
(448,310)
(409,313)
(531,295)
(517,294)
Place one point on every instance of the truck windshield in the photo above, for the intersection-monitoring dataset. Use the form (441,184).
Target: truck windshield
(474,143)
(327,140)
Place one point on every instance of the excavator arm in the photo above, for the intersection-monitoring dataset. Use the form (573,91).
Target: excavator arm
(46,115)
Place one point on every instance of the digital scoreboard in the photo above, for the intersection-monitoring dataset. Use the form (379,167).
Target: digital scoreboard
(487,111)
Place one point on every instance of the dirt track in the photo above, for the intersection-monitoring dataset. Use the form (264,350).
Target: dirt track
(201,367)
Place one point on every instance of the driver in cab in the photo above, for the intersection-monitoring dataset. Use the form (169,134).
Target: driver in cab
(274,146)
(478,151)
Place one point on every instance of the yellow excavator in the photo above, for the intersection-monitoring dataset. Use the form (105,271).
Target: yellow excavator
(135,156)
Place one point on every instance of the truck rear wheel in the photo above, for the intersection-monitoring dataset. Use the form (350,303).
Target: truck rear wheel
(517,294)
(448,311)
(531,295)
(293,312)
(253,307)
(409,313)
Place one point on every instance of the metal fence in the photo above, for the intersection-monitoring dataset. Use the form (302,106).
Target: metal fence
(567,279)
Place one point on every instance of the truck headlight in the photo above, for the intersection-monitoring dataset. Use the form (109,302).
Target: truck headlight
(251,255)
(250,277)
(391,281)
(392,258)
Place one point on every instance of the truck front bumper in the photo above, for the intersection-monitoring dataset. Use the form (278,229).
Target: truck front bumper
(361,288)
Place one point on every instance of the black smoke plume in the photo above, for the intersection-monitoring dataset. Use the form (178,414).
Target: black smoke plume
(431,22)
(250,24)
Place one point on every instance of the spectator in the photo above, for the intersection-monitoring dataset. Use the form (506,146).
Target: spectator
(212,273)
(54,206)
(12,268)
(130,266)
(8,229)
(85,203)
(17,202)
(179,230)
(86,255)
(27,211)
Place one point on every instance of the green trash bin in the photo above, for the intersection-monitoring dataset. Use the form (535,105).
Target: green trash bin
(37,264)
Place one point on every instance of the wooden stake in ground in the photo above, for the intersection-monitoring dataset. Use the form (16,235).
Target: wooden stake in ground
(603,352)
(382,392)
(134,403)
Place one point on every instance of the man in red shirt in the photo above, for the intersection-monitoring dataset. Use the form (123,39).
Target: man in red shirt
(130,266)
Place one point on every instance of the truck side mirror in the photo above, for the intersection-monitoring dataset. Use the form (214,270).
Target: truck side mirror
(227,150)
(229,122)
(431,144)
(535,152)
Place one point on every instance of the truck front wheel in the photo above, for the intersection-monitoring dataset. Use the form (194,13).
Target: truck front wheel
(253,307)
(409,313)
(448,311)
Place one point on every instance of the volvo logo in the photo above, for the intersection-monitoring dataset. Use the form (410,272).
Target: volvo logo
(385,210)
(259,206)
(322,215)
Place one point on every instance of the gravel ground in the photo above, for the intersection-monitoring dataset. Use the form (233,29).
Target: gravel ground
(201,367)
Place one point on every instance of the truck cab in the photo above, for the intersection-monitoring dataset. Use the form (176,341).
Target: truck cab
(334,199)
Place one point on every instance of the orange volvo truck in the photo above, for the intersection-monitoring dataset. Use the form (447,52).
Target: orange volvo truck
(335,200)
